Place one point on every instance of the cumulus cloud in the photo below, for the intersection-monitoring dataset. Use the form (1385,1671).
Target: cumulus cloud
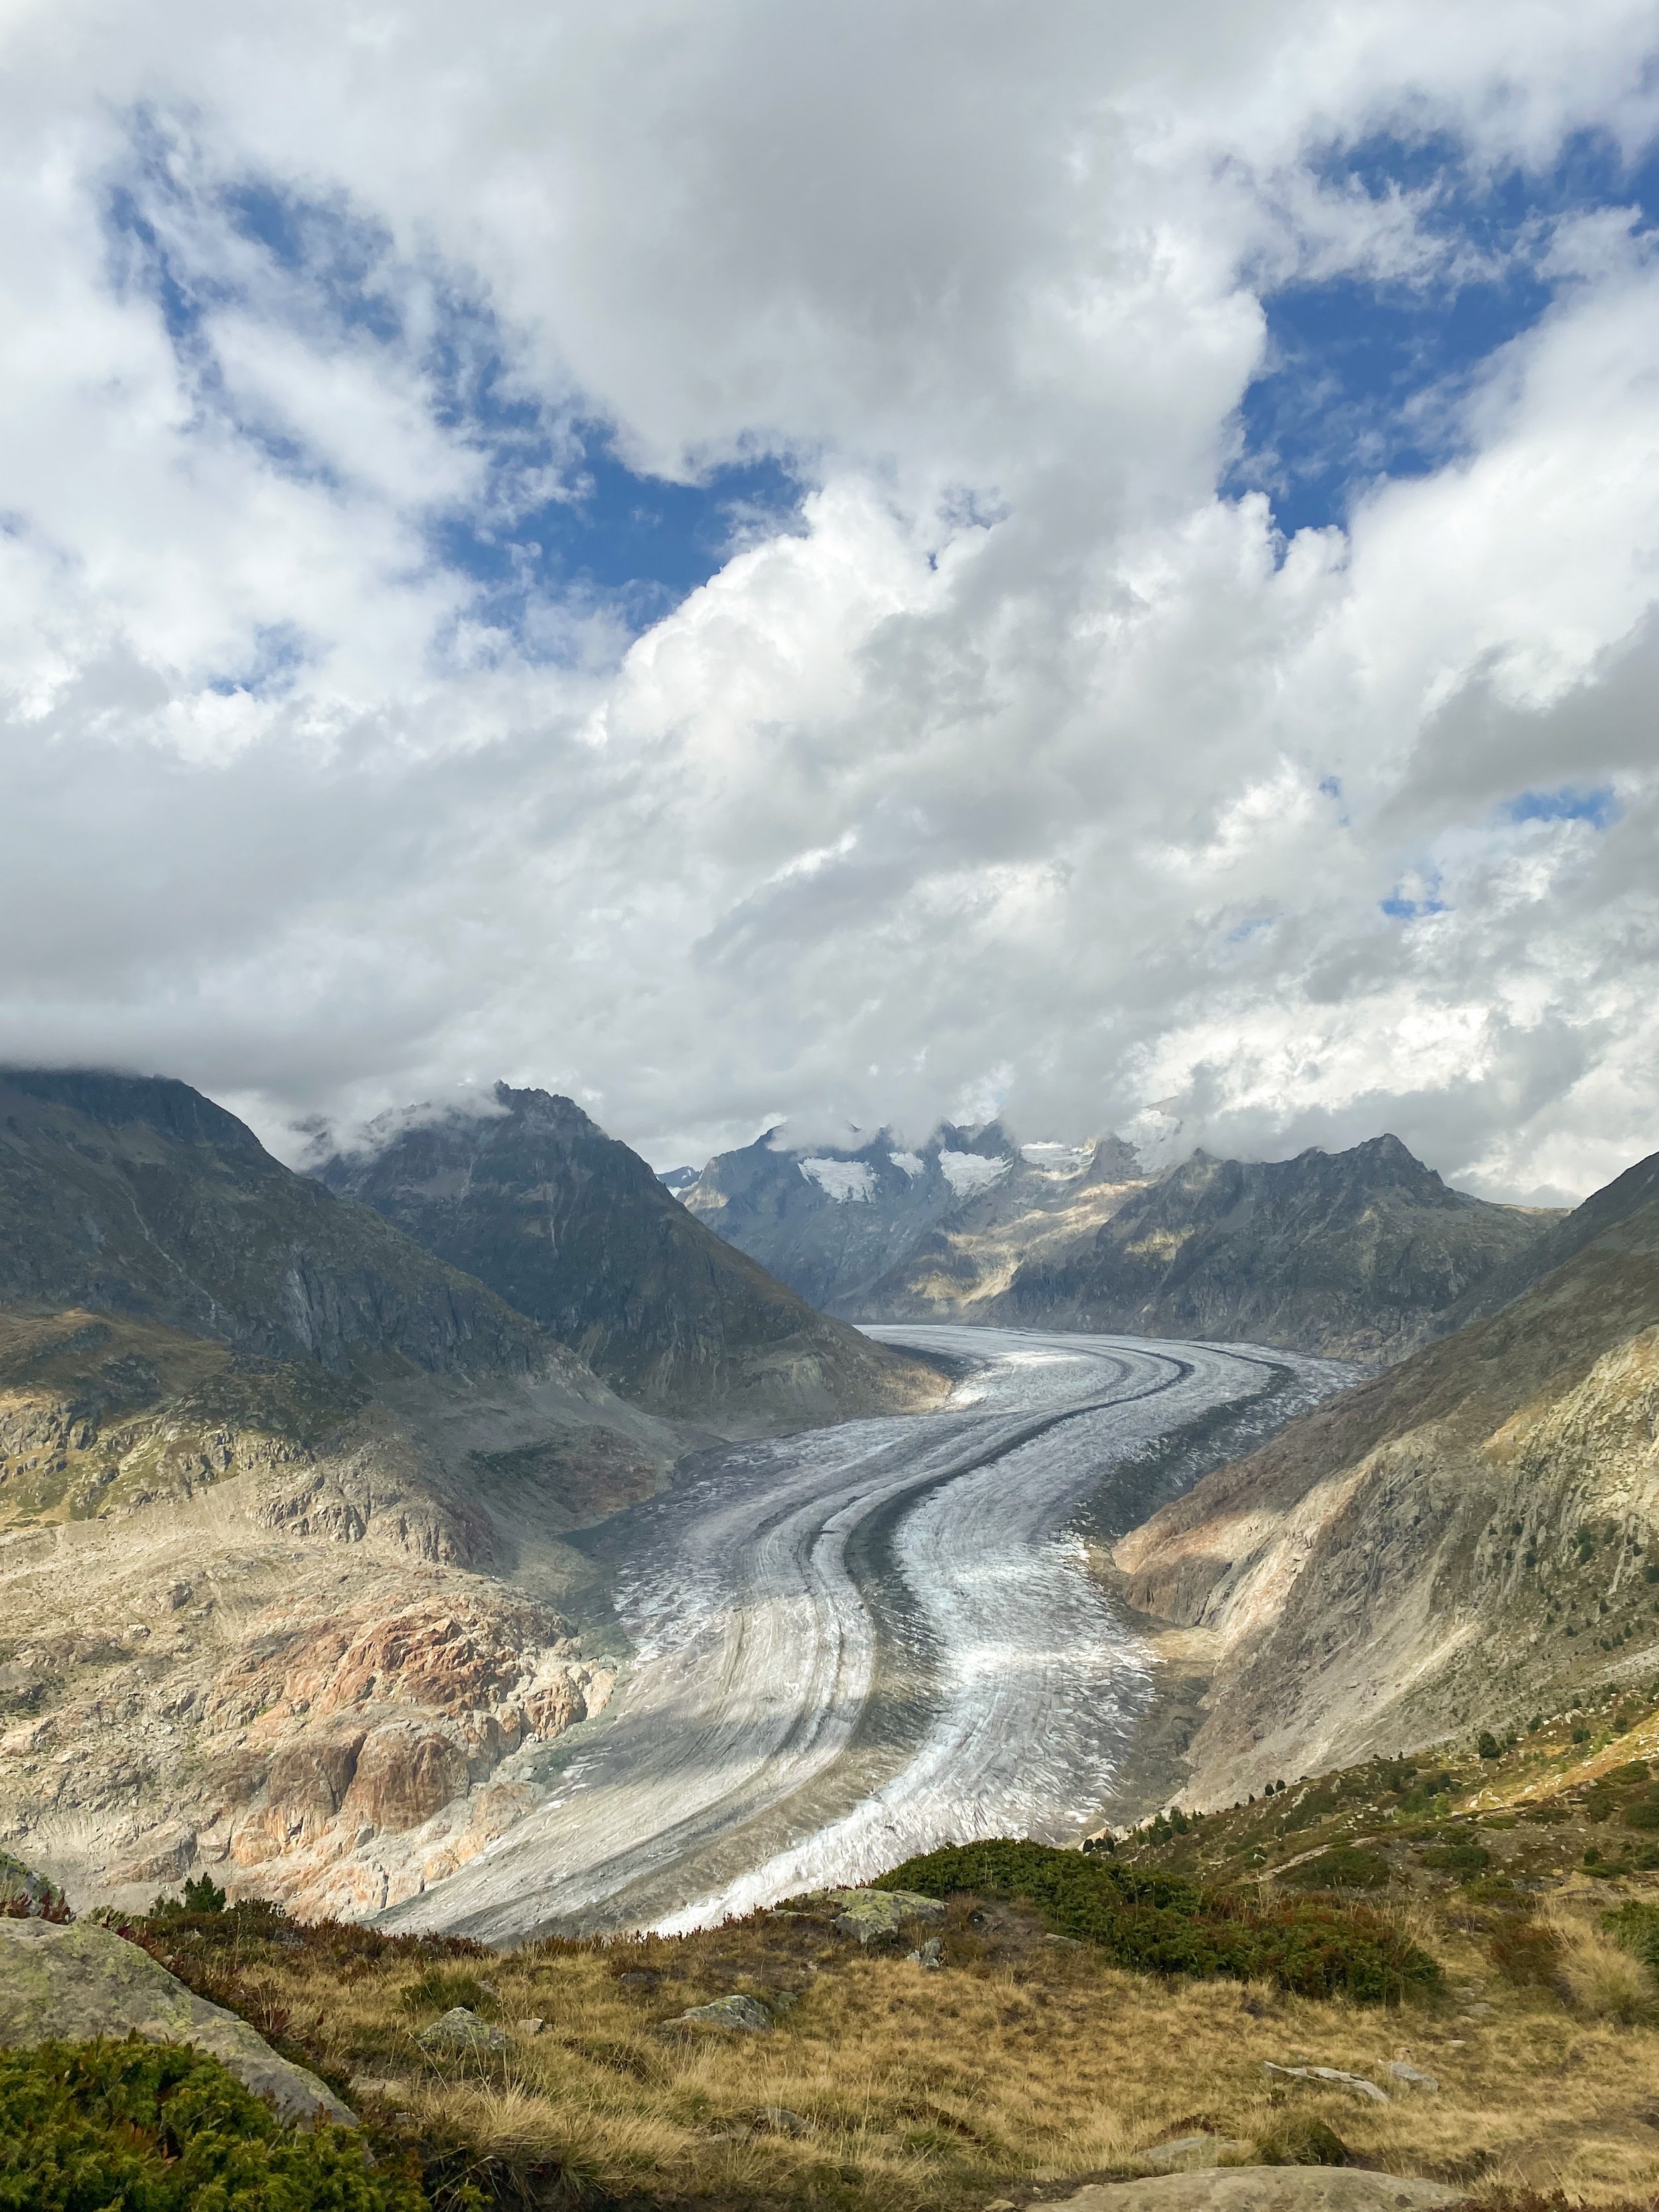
(1026,765)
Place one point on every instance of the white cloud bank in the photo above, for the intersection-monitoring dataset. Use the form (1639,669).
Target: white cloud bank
(1032,765)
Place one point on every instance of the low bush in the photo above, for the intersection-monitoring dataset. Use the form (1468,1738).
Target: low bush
(1527,1952)
(1635,1928)
(440,1989)
(1164,1924)
(1643,1813)
(1458,1858)
(1345,1865)
(139,2127)
(1301,2140)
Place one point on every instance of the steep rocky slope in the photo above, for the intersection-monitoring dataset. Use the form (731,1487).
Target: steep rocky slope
(1352,1255)
(882,1233)
(1470,1536)
(282,1497)
(572,1228)
(261,1622)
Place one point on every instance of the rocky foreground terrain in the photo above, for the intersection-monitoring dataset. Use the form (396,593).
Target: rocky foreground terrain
(1422,1982)
(1362,1254)
(284,1594)
(1473,1535)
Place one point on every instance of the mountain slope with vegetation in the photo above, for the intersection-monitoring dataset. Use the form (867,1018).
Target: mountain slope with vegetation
(1475,1533)
(572,1228)
(138,1196)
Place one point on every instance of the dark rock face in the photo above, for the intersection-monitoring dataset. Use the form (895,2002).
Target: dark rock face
(886,1234)
(572,1228)
(138,1196)
(1351,1253)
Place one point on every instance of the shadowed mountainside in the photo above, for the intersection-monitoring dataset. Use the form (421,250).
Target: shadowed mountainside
(136,1195)
(572,1228)
(1352,1254)
(1468,1534)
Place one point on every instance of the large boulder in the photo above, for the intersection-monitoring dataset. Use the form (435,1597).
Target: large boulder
(71,1983)
(871,1913)
(1262,2189)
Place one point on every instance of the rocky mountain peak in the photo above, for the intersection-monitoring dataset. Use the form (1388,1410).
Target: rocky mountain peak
(572,1227)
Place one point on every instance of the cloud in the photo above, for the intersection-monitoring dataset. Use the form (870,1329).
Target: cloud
(1024,760)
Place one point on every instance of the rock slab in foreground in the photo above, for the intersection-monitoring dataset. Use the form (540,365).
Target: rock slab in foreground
(76,1982)
(1262,2189)
(867,1913)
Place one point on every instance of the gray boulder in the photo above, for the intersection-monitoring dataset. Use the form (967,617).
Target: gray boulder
(746,2015)
(869,1913)
(1262,2189)
(461,2030)
(1328,2077)
(77,1982)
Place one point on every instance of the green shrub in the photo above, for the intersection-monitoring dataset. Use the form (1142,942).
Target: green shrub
(1345,1865)
(1635,1927)
(138,2127)
(1457,1858)
(1633,1769)
(1163,1924)
(440,1989)
(1643,1813)
(1488,1746)
(1302,2140)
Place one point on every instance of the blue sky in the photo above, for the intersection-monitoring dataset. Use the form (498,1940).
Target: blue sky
(1366,378)
(390,390)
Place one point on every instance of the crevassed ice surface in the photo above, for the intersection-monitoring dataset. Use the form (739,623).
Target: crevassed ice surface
(857,1643)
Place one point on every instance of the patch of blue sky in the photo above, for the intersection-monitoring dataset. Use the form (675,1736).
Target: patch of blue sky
(1365,377)
(1598,807)
(1398,907)
(279,653)
(556,514)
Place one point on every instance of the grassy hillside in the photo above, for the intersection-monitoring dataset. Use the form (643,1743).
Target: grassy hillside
(1037,2054)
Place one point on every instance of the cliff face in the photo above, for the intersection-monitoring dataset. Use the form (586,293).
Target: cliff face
(138,1196)
(1465,1539)
(572,1228)
(1352,1255)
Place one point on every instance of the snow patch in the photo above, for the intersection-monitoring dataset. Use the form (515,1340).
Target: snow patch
(840,1179)
(1058,1159)
(970,1173)
(913,1167)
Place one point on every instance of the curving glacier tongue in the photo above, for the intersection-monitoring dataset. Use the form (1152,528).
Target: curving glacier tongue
(854,1644)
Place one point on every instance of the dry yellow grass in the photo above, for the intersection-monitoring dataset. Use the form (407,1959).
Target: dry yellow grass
(1026,2065)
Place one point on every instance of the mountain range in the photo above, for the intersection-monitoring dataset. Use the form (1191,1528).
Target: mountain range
(1358,1255)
